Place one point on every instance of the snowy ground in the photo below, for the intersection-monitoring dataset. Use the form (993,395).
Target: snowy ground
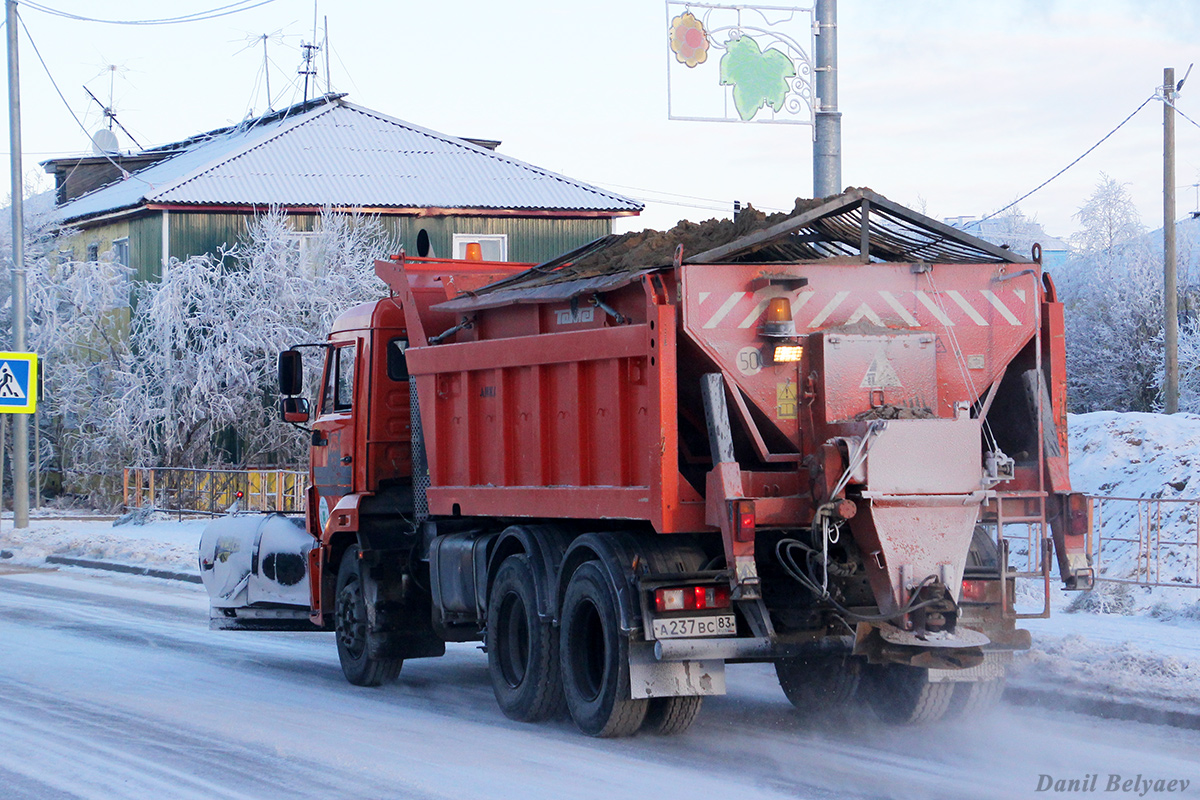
(114,688)
(1126,642)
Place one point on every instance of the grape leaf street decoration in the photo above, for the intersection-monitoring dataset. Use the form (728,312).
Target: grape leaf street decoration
(764,72)
(758,79)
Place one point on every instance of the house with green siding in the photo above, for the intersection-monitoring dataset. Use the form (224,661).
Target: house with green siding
(435,193)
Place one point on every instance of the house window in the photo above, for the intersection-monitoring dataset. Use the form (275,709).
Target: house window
(493,245)
(66,255)
(121,251)
(93,251)
(302,242)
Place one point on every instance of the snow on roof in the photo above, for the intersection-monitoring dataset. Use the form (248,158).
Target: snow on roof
(344,155)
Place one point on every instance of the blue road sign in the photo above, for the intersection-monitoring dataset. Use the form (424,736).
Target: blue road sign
(18,383)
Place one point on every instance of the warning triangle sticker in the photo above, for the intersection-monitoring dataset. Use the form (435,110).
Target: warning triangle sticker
(881,374)
(9,388)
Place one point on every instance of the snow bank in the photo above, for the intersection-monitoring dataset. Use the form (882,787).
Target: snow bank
(1135,455)
(161,542)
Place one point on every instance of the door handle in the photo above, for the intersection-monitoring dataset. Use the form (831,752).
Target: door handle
(346,459)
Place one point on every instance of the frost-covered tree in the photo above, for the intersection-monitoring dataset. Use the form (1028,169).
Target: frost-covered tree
(185,375)
(207,335)
(1112,290)
(78,313)
(1109,218)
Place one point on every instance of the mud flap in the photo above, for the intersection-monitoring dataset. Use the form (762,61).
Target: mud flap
(1071,529)
(649,677)
(399,616)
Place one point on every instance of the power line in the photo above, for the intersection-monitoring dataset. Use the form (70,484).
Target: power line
(720,205)
(1046,182)
(124,172)
(199,16)
(1180,113)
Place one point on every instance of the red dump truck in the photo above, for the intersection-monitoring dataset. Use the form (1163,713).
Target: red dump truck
(800,440)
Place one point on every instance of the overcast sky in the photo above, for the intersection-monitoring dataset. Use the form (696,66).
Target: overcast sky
(957,106)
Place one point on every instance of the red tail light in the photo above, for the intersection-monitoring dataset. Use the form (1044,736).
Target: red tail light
(744,521)
(974,591)
(691,598)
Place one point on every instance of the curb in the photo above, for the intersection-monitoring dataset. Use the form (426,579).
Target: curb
(1105,706)
(125,568)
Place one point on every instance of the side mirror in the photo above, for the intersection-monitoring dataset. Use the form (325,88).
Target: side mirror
(291,373)
(294,409)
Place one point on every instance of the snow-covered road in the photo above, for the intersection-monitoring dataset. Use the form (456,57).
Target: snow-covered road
(115,688)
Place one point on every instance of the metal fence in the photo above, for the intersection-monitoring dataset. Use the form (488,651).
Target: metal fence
(215,491)
(1143,541)
(1132,536)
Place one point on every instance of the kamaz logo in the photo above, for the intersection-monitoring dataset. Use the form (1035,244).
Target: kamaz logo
(569,317)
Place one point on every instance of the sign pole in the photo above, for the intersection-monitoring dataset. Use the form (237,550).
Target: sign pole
(21,422)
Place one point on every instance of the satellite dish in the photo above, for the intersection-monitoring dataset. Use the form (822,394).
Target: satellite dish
(104,141)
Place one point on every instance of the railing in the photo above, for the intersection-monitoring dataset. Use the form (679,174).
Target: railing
(1141,541)
(214,491)
(1131,537)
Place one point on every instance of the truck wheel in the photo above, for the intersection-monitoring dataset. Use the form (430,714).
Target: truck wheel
(976,697)
(668,716)
(904,695)
(350,617)
(595,658)
(819,682)
(522,648)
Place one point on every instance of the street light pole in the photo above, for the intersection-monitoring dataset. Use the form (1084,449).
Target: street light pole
(827,126)
(20,421)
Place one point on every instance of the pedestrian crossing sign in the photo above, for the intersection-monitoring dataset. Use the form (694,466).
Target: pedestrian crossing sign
(18,383)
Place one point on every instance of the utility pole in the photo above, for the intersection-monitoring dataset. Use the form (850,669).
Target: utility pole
(1170,292)
(827,128)
(20,421)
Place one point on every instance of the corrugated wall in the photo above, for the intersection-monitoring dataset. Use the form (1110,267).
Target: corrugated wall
(145,247)
(529,239)
(194,233)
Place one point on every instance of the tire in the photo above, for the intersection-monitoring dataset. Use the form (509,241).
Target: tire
(976,697)
(350,618)
(595,658)
(903,695)
(819,682)
(522,648)
(670,716)
(983,556)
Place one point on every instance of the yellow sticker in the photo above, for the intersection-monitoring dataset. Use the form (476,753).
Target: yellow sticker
(785,400)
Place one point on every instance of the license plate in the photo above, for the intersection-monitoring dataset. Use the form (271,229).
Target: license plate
(687,627)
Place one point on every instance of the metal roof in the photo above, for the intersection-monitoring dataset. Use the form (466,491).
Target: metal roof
(858,224)
(343,155)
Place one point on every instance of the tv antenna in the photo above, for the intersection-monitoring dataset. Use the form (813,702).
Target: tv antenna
(267,68)
(309,68)
(105,138)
